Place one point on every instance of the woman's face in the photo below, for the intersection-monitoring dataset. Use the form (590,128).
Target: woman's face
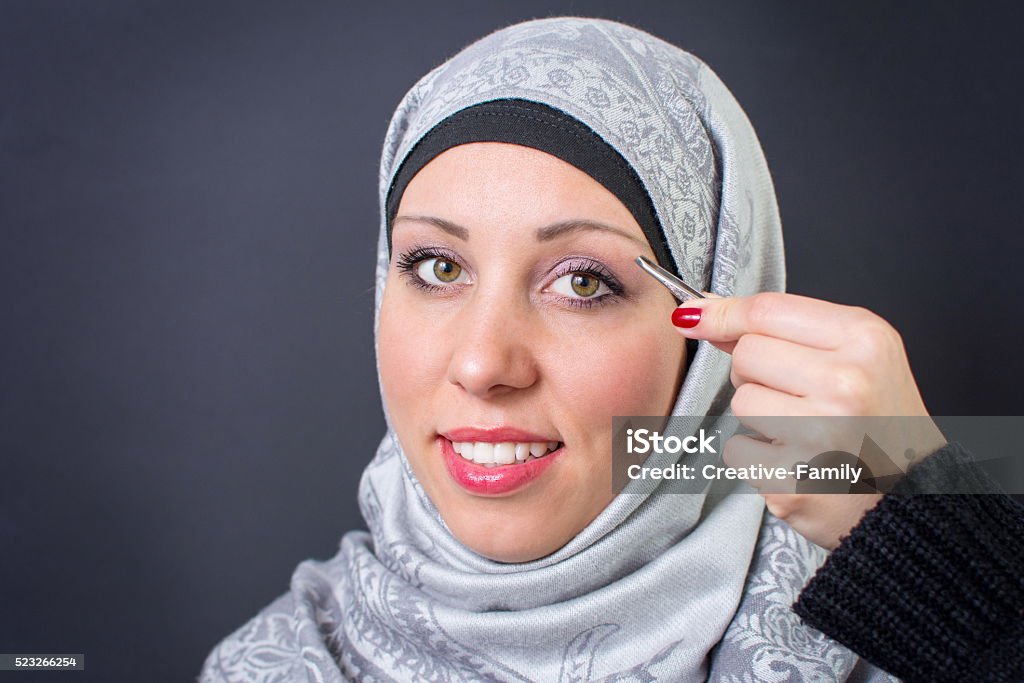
(515,317)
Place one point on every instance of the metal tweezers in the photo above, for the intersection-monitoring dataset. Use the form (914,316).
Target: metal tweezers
(680,290)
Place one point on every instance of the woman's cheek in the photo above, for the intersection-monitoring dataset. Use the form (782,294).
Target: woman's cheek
(404,348)
(405,363)
(629,372)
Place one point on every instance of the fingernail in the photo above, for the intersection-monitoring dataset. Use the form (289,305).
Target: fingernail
(686,317)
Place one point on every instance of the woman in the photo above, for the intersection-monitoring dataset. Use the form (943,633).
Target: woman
(518,182)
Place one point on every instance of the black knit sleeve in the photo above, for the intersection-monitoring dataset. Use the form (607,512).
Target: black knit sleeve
(929,587)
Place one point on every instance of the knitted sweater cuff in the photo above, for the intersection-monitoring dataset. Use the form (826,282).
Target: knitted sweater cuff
(929,587)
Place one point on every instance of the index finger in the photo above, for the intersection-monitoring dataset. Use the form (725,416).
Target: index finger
(801,319)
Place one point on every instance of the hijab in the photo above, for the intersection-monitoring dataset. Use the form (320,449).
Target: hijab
(673,587)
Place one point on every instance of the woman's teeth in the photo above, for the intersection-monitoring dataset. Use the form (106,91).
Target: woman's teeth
(491,454)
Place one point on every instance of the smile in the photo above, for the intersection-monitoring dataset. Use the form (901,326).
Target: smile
(496,461)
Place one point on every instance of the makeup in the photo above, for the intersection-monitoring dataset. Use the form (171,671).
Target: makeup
(680,290)
(496,479)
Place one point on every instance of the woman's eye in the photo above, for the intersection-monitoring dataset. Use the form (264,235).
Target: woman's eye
(440,271)
(580,285)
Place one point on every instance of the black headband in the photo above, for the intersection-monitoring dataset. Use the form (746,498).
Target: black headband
(531,124)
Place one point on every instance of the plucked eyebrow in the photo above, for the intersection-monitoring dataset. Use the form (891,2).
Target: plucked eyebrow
(545,234)
(550,232)
(452,229)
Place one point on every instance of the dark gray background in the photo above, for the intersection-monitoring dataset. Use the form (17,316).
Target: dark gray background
(188,205)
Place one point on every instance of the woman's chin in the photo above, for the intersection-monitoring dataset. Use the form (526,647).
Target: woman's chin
(507,541)
(510,554)
(521,527)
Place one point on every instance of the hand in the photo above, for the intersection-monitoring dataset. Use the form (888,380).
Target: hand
(797,356)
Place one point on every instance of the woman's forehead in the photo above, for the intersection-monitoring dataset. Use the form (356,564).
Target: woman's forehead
(493,184)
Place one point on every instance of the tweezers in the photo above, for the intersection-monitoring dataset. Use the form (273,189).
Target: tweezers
(680,290)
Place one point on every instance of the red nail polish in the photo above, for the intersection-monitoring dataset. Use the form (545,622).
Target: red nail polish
(686,317)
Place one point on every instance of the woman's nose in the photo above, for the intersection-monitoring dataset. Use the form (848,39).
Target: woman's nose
(493,351)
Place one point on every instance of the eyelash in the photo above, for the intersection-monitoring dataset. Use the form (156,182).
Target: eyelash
(407,263)
(588,266)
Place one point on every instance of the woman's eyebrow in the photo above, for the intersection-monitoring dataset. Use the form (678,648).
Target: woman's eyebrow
(560,228)
(452,229)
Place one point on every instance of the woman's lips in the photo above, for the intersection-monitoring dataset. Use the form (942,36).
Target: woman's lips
(495,480)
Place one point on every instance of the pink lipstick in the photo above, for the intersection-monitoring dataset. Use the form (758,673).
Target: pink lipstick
(494,480)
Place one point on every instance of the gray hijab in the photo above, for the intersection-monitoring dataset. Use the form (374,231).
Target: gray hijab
(681,587)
